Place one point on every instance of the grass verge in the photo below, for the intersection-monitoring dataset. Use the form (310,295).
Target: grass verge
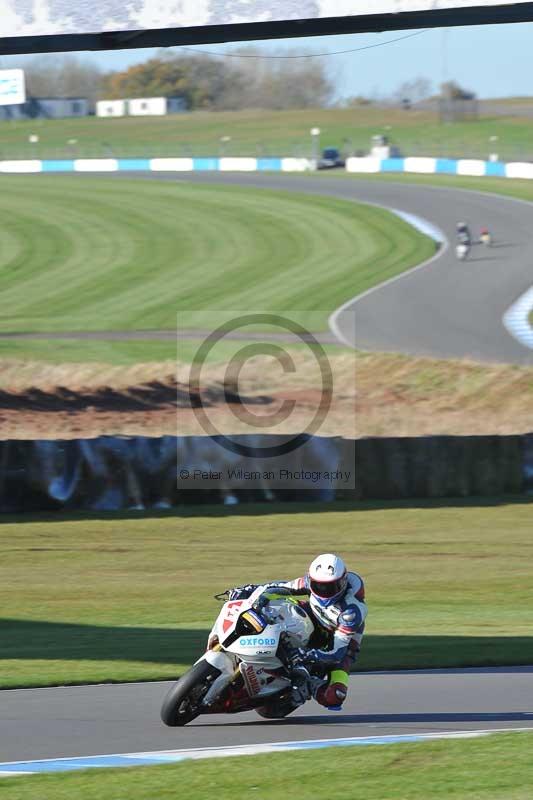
(495,768)
(46,352)
(259,133)
(130,597)
(392,395)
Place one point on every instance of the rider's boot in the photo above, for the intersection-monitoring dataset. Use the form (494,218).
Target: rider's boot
(333,692)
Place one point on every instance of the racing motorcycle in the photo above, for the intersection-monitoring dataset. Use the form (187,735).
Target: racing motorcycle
(253,661)
(485,237)
(462,250)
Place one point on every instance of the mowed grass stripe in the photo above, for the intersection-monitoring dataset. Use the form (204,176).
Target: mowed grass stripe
(100,254)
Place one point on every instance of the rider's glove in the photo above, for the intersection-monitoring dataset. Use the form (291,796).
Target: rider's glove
(260,606)
(242,592)
(310,656)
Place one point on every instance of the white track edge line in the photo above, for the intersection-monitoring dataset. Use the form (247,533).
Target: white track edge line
(277,746)
(516,319)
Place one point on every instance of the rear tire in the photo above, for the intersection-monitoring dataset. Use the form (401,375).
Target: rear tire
(182,703)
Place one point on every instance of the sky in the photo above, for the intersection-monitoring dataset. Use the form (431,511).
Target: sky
(491,60)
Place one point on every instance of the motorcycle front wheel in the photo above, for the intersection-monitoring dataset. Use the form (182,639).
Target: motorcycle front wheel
(182,703)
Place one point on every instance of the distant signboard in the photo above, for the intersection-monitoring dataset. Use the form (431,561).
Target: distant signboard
(50,25)
(12,89)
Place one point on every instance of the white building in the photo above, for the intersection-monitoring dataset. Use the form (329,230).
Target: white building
(155,106)
(111,108)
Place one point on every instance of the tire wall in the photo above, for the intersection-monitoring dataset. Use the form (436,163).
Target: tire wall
(117,473)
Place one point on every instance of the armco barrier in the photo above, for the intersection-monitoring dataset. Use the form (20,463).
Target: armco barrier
(228,164)
(114,473)
(367,164)
(441,166)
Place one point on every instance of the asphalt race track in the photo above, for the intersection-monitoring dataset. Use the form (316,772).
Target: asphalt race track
(446,309)
(97,720)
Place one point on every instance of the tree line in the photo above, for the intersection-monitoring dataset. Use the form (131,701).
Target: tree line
(218,83)
(205,82)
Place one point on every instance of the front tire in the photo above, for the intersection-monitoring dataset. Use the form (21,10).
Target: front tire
(182,703)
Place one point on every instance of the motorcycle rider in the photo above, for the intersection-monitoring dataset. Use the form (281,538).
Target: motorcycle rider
(337,606)
(484,236)
(463,234)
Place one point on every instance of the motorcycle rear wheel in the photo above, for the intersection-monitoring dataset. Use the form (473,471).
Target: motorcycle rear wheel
(182,703)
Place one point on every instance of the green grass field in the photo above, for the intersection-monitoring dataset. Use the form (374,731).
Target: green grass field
(130,597)
(495,768)
(113,255)
(72,351)
(257,133)
(89,254)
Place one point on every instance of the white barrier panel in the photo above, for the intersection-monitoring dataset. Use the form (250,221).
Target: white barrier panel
(421,164)
(519,169)
(238,164)
(21,166)
(470,166)
(297,164)
(366,164)
(171,164)
(95,165)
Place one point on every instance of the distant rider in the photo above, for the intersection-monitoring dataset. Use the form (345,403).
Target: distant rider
(485,237)
(463,234)
(337,604)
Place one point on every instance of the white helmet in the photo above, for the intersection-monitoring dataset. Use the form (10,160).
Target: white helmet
(328,578)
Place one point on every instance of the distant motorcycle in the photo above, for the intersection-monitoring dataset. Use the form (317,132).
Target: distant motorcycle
(485,238)
(462,250)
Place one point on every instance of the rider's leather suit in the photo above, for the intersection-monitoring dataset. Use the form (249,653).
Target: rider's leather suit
(464,237)
(341,624)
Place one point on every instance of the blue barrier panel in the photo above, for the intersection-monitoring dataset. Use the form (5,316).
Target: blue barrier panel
(392,165)
(273,164)
(495,168)
(448,165)
(59,165)
(133,163)
(205,163)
